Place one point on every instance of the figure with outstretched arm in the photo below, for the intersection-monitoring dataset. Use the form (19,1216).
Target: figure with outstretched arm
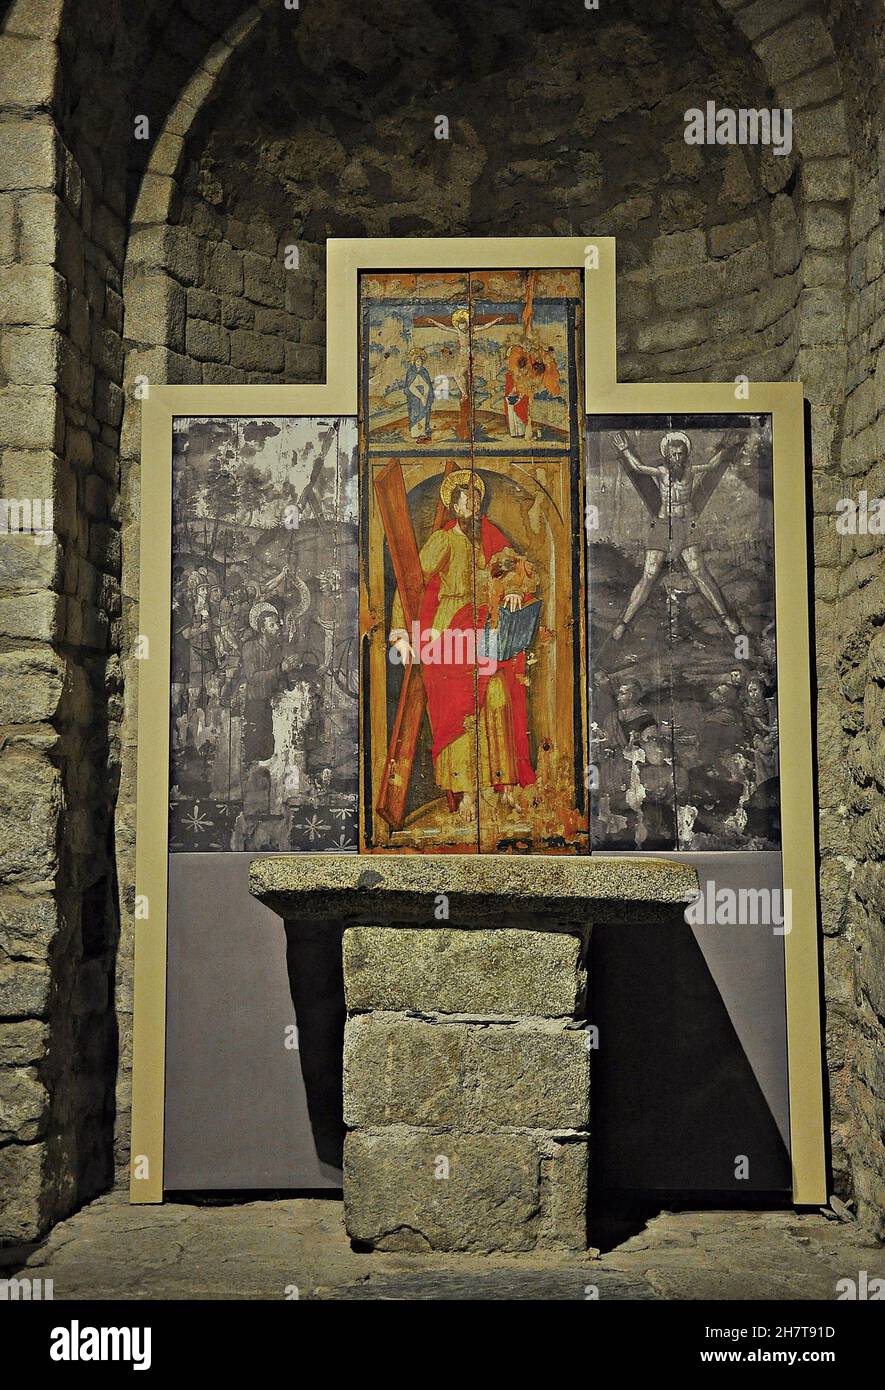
(673,483)
(464,327)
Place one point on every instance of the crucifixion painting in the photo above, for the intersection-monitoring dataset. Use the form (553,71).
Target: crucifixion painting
(466,327)
(462,360)
(474,720)
(684,740)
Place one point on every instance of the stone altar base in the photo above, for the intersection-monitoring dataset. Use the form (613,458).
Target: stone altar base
(476,1096)
(466,1050)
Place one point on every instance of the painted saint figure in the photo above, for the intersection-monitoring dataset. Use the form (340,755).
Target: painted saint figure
(262,668)
(419,397)
(478,715)
(529,370)
(674,498)
(629,716)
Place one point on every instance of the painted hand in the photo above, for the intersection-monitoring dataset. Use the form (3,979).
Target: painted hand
(399,643)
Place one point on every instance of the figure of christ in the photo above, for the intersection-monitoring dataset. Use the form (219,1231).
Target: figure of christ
(675,480)
(478,716)
(464,327)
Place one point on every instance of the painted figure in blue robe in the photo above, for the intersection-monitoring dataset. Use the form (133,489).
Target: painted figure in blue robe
(419,397)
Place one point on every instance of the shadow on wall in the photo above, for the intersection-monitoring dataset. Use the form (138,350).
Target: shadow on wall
(253,1085)
(676,1104)
(316,982)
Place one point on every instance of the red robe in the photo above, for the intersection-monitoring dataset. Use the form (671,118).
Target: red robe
(521,407)
(450,686)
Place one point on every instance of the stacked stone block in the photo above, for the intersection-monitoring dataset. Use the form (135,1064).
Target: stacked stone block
(466,1088)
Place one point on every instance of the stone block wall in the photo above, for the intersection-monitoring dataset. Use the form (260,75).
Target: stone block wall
(709,241)
(848,443)
(853,705)
(212,301)
(62,237)
(466,1075)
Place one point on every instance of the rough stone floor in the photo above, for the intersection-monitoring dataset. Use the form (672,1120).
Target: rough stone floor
(261,1249)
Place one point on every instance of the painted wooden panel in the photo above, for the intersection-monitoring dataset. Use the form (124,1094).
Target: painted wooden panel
(264,702)
(473,714)
(684,744)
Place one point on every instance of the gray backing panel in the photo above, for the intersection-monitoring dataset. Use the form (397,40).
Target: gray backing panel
(236,1107)
(691,1069)
(692,1065)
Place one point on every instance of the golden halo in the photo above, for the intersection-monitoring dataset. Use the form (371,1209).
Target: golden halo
(461,477)
(460,316)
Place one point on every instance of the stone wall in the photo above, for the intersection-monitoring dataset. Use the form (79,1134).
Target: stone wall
(850,582)
(850,586)
(708,240)
(71,75)
(271,128)
(61,356)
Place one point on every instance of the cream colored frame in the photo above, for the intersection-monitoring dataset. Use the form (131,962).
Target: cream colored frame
(345,260)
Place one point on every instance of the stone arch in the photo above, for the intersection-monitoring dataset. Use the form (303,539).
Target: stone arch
(797,52)
(156,192)
(798,58)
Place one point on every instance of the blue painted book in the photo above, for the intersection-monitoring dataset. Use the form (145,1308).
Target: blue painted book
(514,634)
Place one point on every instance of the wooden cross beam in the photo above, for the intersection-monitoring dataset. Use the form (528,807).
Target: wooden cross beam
(309,495)
(393,504)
